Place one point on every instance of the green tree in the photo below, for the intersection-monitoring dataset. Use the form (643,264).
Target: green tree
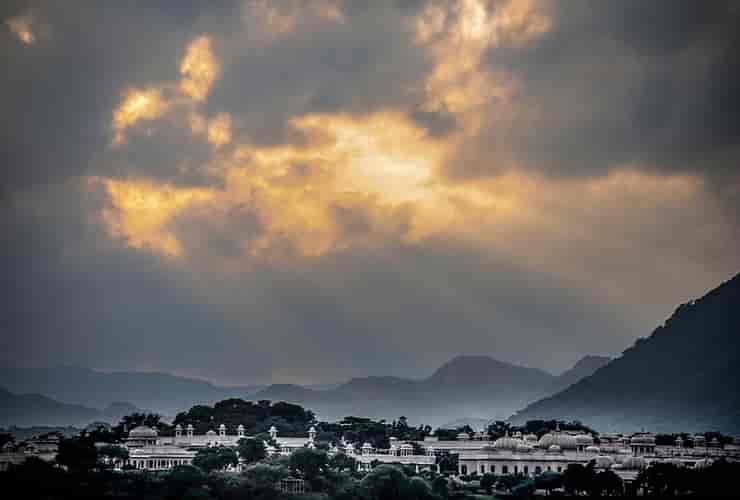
(77,454)
(487,482)
(607,482)
(523,488)
(548,481)
(508,481)
(440,487)
(251,449)
(308,463)
(579,479)
(386,482)
(261,481)
(6,437)
(182,479)
(111,454)
(343,462)
(210,459)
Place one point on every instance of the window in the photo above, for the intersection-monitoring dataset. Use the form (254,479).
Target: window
(526,469)
(538,470)
(516,469)
(493,469)
(504,469)
(560,469)
(549,468)
(482,468)
(464,469)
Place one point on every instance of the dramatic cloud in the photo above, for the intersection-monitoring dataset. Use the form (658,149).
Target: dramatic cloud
(22,27)
(259,191)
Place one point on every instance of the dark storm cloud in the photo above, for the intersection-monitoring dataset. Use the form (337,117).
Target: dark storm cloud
(366,62)
(648,83)
(75,297)
(106,306)
(58,94)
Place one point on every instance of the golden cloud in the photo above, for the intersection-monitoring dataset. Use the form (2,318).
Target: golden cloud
(22,27)
(199,69)
(141,210)
(219,130)
(350,179)
(138,105)
(457,35)
(277,19)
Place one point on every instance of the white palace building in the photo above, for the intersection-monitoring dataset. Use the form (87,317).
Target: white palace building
(626,455)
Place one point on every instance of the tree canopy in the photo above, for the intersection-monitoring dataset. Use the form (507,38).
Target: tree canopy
(290,419)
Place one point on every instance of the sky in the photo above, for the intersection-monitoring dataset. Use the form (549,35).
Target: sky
(307,191)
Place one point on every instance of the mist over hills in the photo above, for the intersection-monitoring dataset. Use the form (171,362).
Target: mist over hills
(161,392)
(478,387)
(684,376)
(37,410)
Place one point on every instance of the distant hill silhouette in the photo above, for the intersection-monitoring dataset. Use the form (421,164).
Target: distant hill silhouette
(477,387)
(161,392)
(685,376)
(36,410)
(585,367)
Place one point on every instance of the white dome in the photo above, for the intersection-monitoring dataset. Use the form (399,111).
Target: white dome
(507,443)
(142,431)
(367,446)
(584,439)
(531,438)
(553,448)
(463,436)
(564,441)
(592,449)
(211,433)
(524,447)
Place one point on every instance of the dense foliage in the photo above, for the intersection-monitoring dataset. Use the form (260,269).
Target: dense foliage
(498,428)
(292,420)
(375,432)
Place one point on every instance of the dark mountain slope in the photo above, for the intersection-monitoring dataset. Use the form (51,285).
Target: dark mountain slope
(685,376)
(585,367)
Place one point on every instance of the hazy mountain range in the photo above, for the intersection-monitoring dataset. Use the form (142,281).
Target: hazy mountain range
(467,386)
(684,376)
(36,410)
(161,392)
